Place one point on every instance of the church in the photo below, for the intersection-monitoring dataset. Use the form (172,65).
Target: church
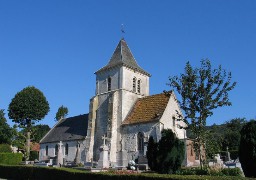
(122,116)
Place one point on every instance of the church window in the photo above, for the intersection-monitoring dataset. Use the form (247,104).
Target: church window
(173,121)
(138,88)
(109,83)
(141,142)
(134,84)
(56,149)
(66,149)
(46,150)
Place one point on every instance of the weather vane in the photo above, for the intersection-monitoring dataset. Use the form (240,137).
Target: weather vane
(122,29)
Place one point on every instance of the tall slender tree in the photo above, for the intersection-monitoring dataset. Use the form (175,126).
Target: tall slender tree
(27,107)
(247,149)
(202,90)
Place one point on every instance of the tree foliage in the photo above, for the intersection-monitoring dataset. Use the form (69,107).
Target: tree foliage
(167,155)
(202,90)
(152,154)
(39,131)
(27,107)
(61,113)
(231,136)
(6,132)
(247,149)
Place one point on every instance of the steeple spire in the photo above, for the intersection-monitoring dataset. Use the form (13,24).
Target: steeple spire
(123,56)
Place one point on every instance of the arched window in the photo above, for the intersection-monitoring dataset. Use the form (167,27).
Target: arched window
(56,150)
(140,142)
(109,83)
(46,150)
(138,88)
(66,149)
(134,84)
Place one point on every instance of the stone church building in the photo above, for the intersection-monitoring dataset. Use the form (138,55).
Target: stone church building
(122,114)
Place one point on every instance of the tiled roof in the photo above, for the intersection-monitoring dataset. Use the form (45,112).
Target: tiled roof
(34,146)
(147,109)
(123,56)
(73,128)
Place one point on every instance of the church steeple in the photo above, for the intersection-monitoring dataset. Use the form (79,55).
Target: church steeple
(123,56)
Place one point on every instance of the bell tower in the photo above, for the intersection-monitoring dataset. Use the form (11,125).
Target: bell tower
(118,85)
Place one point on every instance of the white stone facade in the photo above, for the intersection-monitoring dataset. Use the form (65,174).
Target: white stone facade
(119,85)
(70,156)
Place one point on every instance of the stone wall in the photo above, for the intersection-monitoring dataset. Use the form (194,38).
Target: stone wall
(130,135)
(72,148)
(127,83)
(168,118)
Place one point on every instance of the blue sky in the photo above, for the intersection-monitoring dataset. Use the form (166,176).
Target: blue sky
(57,46)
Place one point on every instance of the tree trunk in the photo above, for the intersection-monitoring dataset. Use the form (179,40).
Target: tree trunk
(27,146)
(200,155)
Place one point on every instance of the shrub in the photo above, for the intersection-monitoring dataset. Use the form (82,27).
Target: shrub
(10,158)
(33,155)
(32,172)
(167,155)
(211,171)
(231,172)
(5,148)
(247,149)
(152,154)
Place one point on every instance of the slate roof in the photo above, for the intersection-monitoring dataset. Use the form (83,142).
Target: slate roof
(123,56)
(73,128)
(147,109)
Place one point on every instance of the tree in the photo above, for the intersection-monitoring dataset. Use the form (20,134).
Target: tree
(231,136)
(170,153)
(6,132)
(152,154)
(247,149)
(27,107)
(202,90)
(62,113)
(167,155)
(39,131)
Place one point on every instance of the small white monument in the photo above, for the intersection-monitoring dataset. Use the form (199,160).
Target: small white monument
(60,155)
(103,161)
(77,159)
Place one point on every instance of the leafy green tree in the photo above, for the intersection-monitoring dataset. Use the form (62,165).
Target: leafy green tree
(152,154)
(170,153)
(39,131)
(231,135)
(6,132)
(61,113)
(27,107)
(202,90)
(247,149)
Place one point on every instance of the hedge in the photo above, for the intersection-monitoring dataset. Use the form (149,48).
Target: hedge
(32,172)
(212,172)
(10,158)
(33,155)
(4,148)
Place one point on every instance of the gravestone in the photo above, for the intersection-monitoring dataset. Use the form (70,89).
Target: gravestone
(59,155)
(103,161)
(77,159)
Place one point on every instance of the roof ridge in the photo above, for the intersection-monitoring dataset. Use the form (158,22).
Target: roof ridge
(163,93)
